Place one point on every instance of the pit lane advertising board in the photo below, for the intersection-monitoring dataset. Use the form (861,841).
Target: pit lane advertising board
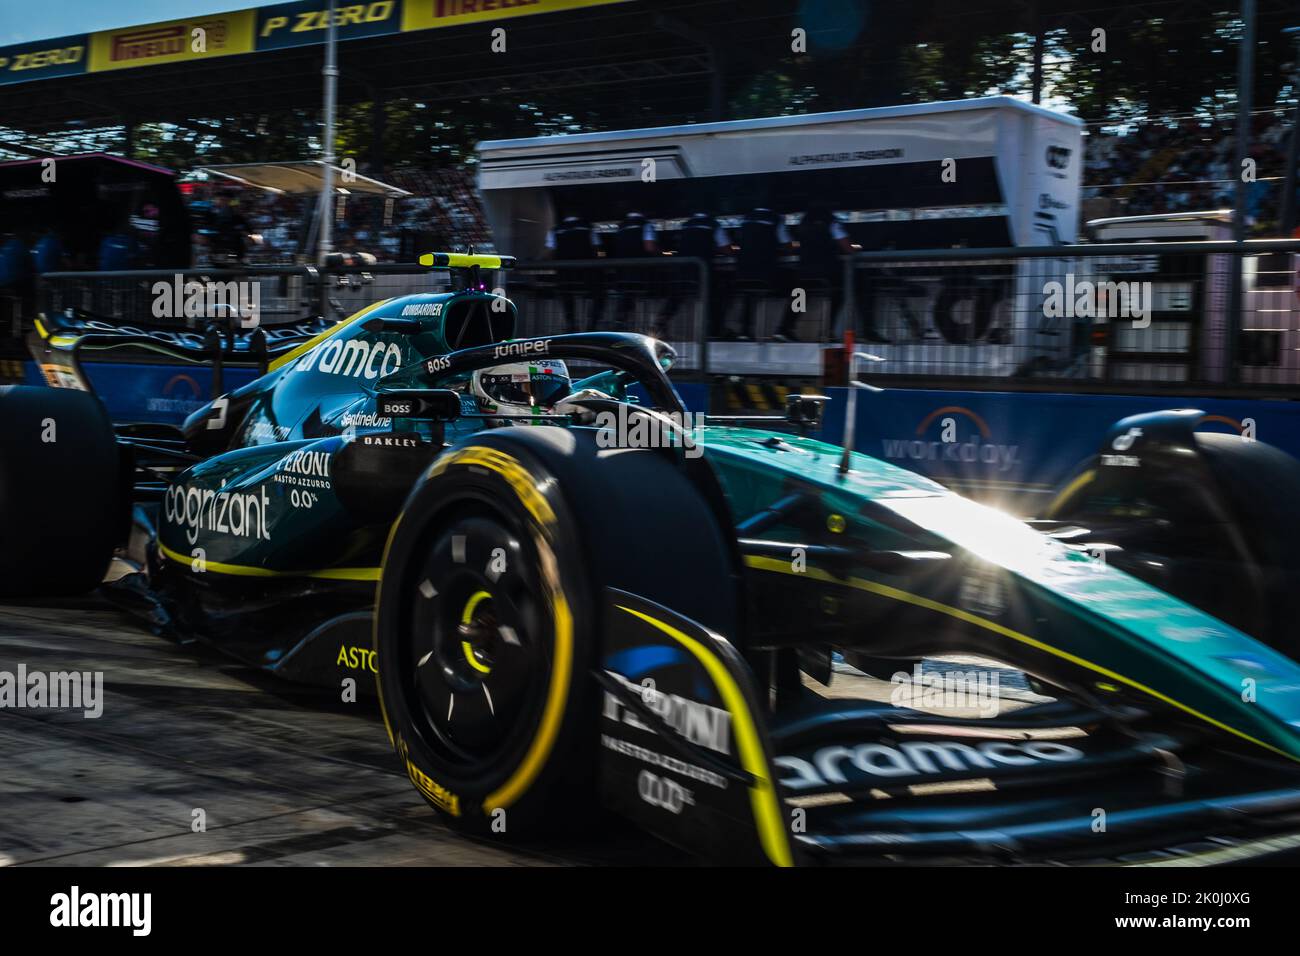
(174,41)
(1017,449)
(281,26)
(306,22)
(44,59)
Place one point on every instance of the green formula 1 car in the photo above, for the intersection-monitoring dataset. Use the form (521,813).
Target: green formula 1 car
(570,593)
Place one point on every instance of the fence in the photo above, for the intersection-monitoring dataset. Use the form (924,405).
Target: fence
(714,319)
(284,294)
(1129,316)
(1133,315)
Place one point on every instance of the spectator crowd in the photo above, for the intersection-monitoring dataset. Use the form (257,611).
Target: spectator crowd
(259,227)
(1185,165)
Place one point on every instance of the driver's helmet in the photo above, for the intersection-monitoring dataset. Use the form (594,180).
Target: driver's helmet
(522,389)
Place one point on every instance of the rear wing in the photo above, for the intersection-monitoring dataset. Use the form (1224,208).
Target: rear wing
(59,341)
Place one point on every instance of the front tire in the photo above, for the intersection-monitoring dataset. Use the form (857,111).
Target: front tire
(488,619)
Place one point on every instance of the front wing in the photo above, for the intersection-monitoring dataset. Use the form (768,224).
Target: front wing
(690,750)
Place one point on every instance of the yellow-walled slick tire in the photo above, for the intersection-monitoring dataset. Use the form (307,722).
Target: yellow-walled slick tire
(487,625)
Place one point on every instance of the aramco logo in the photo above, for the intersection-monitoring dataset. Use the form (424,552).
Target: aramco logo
(955,435)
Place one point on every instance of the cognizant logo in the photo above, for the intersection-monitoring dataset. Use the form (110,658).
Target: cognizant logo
(242,514)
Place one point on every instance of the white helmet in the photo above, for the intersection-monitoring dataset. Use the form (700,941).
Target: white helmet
(522,389)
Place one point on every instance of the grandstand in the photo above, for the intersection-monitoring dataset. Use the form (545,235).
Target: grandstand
(444,210)
(1184,165)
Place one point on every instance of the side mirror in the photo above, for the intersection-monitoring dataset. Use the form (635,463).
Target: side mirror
(430,404)
(805,411)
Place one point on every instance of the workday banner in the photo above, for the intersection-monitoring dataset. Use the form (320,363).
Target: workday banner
(1016,449)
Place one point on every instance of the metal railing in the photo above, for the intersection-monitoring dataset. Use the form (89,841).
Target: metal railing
(285,294)
(1131,315)
(1106,316)
(664,296)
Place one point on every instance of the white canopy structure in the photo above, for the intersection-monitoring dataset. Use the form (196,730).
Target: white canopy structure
(301,177)
(1016,169)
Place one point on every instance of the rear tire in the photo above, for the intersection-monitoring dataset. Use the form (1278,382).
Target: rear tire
(563,519)
(62,505)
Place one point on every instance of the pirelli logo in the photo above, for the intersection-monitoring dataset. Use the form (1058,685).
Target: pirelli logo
(428,14)
(165,41)
(440,796)
(174,41)
(456,8)
(149,43)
